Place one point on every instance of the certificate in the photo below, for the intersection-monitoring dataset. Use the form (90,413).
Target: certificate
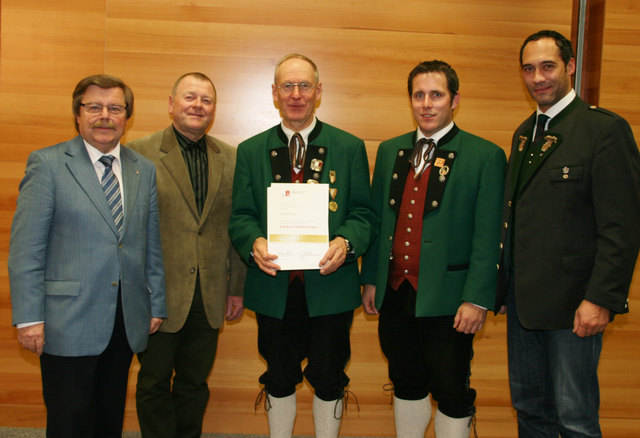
(298,224)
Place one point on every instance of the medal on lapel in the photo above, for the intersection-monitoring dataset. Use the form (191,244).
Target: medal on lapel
(523,140)
(316,165)
(549,140)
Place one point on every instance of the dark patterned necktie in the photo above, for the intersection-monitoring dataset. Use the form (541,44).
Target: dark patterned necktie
(418,157)
(112,191)
(296,151)
(540,126)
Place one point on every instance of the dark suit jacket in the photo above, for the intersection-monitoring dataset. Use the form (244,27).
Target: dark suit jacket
(66,258)
(460,225)
(264,159)
(193,242)
(572,225)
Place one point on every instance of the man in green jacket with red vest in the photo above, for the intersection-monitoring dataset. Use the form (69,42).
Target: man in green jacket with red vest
(432,273)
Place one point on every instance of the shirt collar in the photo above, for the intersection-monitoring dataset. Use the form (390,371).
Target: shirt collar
(304,133)
(187,144)
(95,154)
(557,107)
(438,135)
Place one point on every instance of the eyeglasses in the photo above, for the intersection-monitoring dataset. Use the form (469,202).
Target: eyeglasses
(304,87)
(96,108)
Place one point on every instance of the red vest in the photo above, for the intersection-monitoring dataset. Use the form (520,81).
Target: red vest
(408,234)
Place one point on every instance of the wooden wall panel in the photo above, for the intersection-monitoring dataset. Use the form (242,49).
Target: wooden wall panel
(364,51)
(620,92)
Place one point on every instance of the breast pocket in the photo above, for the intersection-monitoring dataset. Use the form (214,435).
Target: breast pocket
(567,173)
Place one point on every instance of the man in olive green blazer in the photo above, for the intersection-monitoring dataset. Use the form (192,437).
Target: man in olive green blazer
(304,314)
(432,270)
(204,274)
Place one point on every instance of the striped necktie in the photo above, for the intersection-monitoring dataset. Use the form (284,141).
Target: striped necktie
(112,191)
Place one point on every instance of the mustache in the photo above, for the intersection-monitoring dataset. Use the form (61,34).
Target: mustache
(103,124)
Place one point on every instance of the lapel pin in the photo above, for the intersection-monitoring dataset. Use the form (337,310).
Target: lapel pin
(316,165)
(549,140)
(523,140)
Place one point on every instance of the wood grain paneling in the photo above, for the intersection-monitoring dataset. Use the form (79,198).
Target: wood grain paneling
(364,50)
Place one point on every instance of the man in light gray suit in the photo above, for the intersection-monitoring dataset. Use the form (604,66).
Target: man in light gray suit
(85,265)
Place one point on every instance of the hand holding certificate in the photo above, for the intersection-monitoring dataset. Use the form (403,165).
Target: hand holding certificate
(298,224)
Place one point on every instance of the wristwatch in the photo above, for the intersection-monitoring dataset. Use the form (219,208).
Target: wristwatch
(349,248)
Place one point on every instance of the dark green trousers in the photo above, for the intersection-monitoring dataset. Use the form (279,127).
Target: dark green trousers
(176,411)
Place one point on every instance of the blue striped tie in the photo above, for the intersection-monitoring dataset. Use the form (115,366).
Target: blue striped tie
(112,191)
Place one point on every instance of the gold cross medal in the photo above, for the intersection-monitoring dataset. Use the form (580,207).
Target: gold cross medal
(316,165)
(523,140)
(439,162)
(549,140)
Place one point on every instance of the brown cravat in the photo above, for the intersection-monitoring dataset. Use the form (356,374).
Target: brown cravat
(418,157)
(297,151)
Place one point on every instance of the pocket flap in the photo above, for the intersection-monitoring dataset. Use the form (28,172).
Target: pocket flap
(71,288)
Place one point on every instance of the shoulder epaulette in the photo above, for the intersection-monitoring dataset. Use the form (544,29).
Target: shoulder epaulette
(602,110)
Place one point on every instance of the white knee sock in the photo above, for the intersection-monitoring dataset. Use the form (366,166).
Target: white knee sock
(447,427)
(281,414)
(411,417)
(324,417)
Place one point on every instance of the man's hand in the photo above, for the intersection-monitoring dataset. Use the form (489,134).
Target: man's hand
(154,325)
(590,319)
(469,318)
(334,257)
(234,307)
(369,299)
(32,338)
(263,258)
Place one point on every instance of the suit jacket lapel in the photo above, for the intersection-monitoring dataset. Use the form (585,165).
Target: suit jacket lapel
(130,183)
(174,162)
(80,166)
(401,169)
(278,151)
(522,141)
(551,140)
(216,165)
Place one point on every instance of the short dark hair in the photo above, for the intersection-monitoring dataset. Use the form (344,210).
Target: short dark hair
(105,82)
(197,75)
(563,44)
(429,66)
